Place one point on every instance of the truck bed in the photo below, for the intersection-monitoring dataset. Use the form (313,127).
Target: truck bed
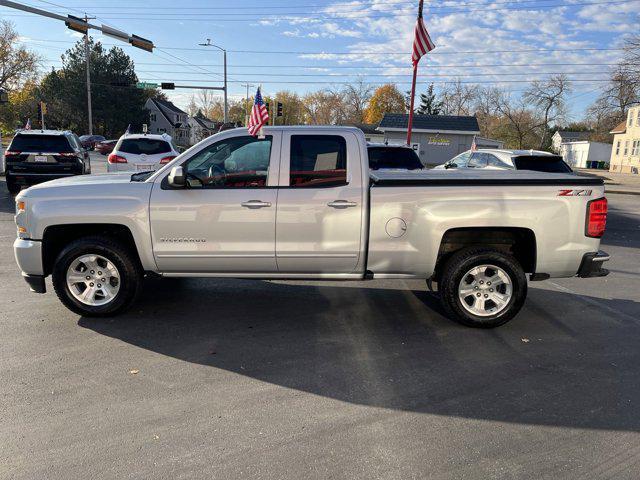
(408,178)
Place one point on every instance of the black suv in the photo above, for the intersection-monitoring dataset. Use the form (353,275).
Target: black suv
(36,156)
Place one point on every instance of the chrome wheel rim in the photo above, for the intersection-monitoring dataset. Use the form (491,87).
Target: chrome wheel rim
(485,290)
(93,280)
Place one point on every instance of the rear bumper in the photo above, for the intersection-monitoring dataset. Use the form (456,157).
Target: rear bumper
(591,265)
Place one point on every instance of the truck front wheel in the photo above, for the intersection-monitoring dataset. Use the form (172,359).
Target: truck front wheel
(482,287)
(97,277)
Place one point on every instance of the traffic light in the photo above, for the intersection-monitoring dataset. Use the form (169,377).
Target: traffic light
(279,109)
(168,86)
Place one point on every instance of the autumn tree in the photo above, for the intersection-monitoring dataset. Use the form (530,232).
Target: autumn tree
(17,64)
(356,97)
(385,99)
(293,109)
(323,107)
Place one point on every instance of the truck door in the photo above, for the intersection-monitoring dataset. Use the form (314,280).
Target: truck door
(320,203)
(224,220)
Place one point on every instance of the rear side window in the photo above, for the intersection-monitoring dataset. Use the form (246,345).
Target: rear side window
(542,163)
(389,157)
(148,146)
(478,160)
(318,161)
(41,143)
(496,162)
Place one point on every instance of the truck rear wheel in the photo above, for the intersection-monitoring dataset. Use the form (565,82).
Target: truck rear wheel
(97,277)
(482,287)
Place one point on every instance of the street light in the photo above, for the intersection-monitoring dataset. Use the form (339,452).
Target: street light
(209,44)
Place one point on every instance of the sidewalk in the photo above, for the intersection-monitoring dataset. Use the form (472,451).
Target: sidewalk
(625,183)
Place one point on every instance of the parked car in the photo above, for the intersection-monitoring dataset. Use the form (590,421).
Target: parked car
(141,152)
(35,156)
(494,159)
(301,203)
(90,141)
(105,147)
(398,157)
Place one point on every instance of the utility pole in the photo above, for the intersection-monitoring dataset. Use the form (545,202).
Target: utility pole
(87,58)
(226,105)
(246,103)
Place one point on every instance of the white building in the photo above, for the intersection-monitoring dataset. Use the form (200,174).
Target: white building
(580,154)
(565,136)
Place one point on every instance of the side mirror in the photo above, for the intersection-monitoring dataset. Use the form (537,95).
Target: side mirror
(177,178)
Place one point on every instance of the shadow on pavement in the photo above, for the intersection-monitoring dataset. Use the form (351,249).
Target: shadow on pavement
(566,360)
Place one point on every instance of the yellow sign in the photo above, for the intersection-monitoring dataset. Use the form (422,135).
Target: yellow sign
(442,142)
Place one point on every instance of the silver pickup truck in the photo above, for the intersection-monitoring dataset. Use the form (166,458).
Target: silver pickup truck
(301,203)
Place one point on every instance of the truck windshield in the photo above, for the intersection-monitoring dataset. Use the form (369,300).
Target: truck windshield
(41,143)
(542,163)
(393,157)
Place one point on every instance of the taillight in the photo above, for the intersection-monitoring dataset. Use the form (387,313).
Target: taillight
(596,218)
(113,158)
(9,153)
(166,160)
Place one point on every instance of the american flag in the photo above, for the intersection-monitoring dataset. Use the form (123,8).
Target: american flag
(422,42)
(259,115)
(27,125)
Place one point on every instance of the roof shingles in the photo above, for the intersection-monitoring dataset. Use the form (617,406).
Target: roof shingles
(433,123)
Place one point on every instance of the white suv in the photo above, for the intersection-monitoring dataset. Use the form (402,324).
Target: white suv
(141,153)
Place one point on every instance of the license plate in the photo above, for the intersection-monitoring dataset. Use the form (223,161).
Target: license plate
(145,168)
(40,158)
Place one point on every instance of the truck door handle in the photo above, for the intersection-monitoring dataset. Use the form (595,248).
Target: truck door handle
(342,204)
(255,204)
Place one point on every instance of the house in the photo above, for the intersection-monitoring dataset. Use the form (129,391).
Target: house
(586,154)
(435,138)
(625,155)
(564,136)
(165,117)
(201,127)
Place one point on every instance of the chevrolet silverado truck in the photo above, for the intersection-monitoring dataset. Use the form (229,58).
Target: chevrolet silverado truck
(301,203)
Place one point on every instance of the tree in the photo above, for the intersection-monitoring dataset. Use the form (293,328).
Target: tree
(17,64)
(549,97)
(429,104)
(385,99)
(323,107)
(116,103)
(293,109)
(631,63)
(458,97)
(356,97)
(517,125)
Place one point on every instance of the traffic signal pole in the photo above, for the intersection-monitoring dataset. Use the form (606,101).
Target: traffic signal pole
(87,58)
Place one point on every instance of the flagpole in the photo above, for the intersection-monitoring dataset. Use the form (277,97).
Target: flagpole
(413,86)
(413,94)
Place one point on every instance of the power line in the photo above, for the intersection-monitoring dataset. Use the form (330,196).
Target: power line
(426,75)
(285,82)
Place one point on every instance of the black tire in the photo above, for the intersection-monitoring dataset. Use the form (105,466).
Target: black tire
(12,186)
(131,275)
(463,261)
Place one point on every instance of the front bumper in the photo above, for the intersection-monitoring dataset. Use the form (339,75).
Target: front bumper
(29,256)
(591,265)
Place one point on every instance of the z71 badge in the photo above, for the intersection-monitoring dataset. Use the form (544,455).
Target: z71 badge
(574,193)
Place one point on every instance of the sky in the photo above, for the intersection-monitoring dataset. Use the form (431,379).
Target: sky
(310,44)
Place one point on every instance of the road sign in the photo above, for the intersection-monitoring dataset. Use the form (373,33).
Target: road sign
(146,85)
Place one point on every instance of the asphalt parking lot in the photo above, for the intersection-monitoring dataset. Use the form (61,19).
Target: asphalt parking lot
(295,380)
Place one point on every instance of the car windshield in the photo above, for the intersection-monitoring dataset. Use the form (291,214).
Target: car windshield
(393,157)
(542,163)
(41,143)
(148,146)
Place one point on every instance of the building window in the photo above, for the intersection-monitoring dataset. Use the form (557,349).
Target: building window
(630,122)
(638,118)
(153,117)
(626,148)
(618,148)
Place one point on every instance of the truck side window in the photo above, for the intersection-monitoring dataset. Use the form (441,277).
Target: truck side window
(237,162)
(318,161)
